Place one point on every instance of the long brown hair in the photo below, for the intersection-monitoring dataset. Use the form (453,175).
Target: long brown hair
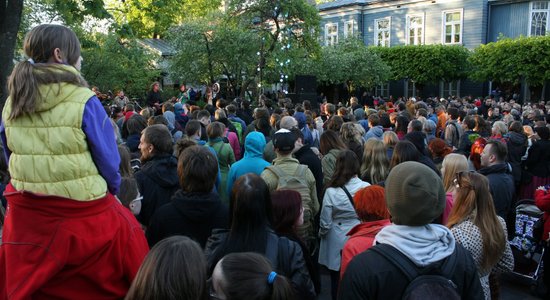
(330,140)
(473,198)
(39,45)
(346,167)
(174,269)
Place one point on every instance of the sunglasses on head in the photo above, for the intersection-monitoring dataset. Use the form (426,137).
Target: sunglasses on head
(459,176)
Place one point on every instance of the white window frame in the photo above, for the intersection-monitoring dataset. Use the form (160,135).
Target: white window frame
(408,29)
(533,10)
(377,30)
(451,88)
(382,90)
(331,39)
(444,25)
(347,25)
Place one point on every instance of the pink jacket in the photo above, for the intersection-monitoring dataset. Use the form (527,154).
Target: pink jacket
(234,142)
(448,207)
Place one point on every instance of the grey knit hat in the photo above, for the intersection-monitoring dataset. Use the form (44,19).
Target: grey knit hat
(414,194)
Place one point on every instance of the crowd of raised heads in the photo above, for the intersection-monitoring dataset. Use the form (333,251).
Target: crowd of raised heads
(209,198)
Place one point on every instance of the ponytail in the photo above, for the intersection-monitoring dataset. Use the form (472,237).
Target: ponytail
(281,289)
(249,275)
(23,89)
(27,76)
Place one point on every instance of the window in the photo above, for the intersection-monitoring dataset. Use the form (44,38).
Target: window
(539,18)
(415,30)
(452,27)
(331,34)
(450,88)
(349,27)
(382,32)
(383,90)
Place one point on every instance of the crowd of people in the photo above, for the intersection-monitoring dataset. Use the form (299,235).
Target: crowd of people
(239,200)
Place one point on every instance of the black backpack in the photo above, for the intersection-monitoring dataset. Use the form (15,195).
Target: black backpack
(429,283)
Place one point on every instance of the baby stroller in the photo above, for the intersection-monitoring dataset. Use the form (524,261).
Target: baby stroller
(526,244)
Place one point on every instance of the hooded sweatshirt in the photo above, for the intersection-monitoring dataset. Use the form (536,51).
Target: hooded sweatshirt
(252,162)
(374,132)
(423,245)
(157,182)
(190,214)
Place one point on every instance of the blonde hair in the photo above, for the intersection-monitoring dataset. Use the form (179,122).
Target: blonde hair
(219,114)
(375,166)
(349,132)
(473,199)
(500,128)
(452,164)
(390,138)
(39,45)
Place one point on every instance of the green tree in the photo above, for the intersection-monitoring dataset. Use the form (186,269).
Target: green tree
(14,24)
(252,42)
(511,60)
(350,62)
(207,50)
(153,18)
(115,64)
(426,63)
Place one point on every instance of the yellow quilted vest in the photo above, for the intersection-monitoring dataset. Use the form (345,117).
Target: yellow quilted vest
(49,150)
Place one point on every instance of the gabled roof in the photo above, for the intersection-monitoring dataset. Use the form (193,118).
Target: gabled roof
(159,46)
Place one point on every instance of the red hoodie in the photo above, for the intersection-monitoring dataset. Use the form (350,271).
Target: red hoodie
(361,238)
(542,200)
(57,248)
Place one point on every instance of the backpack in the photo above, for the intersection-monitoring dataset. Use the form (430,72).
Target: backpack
(456,137)
(297,182)
(429,283)
(239,129)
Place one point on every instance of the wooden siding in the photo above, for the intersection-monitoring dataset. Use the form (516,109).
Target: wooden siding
(510,20)
(474,31)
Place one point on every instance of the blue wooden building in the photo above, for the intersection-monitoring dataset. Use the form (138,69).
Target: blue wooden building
(415,22)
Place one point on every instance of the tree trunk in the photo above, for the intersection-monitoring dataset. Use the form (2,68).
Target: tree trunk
(10,19)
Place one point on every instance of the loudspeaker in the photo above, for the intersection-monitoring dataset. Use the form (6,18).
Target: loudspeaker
(305,84)
(312,97)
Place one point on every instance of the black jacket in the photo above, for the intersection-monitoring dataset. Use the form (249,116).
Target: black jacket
(157,182)
(307,157)
(517,145)
(190,214)
(502,187)
(371,276)
(538,160)
(284,254)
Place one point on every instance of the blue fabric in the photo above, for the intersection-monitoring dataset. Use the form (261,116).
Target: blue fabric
(102,143)
(171,118)
(375,132)
(308,137)
(7,152)
(365,124)
(252,162)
